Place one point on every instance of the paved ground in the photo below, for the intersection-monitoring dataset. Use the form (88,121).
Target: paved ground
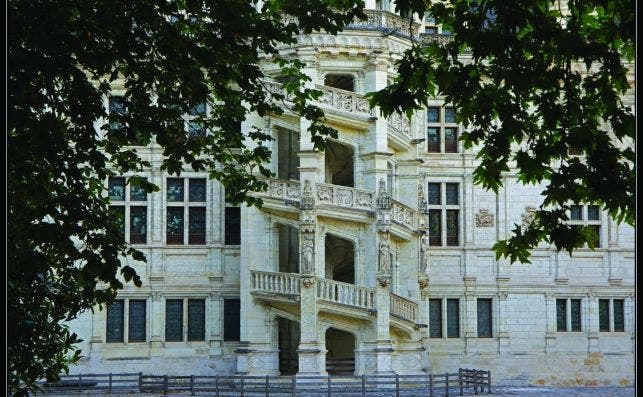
(563,391)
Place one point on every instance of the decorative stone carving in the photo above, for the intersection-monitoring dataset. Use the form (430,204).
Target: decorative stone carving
(528,216)
(384,254)
(383,198)
(325,194)
(484,218)
(384,281)
(307,281)
(424,253)
(364,199)
(308,253)
(400,123)
(503,295)
(423,282)
(307,198)
(344,198)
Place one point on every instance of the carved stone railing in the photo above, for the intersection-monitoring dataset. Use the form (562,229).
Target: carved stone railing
(275,283)
(345,293)
(343,196)
(404,308)
(346,101)
(388,22)
(403,214)
(281,189)
(428,38)
(400,123)
(274,87)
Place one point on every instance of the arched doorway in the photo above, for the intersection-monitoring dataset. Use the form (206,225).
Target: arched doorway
(339,164)
(340,259)
(340,355)
(288,341)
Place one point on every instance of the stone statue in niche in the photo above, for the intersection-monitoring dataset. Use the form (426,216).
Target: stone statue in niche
(307,253)
(424,252)
(385,254)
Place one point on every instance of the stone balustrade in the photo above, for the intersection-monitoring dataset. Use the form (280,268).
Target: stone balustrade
(400,123)
(428,38)
(275,283)
(387,21)
(403,214)
(344,196)
(282,189)
(403,308)
(346,101)
(345,293)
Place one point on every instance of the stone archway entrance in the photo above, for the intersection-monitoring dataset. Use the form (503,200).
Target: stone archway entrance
(340,355)
(340,259)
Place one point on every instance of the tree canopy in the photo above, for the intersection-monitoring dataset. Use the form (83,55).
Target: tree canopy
(534,82)
(64,59)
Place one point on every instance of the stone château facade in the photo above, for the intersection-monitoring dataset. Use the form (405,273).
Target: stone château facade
(371,257)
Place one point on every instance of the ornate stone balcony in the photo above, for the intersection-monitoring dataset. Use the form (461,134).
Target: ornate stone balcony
(345,197)
(275,283)
(388,22)
(344,101)
(345,294)
(400,123)
(403,308)
(403,214)
(281,189)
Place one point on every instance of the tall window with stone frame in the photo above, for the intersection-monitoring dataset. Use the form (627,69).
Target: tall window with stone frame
(611,315)
(135,322)
(232,226)
(484,316)
(441,130)
(588,216)
(231,320)
(440,324)
(129,202)
(444,213)
(186,208)
(568,315)
(193,126)
(116,107)
(184,320)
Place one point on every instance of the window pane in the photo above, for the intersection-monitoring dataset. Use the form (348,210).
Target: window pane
(197,189)
(115,313)
(195,129)
(433,115)
(197,225)
(434,193)
(231,322)
(435,318)
(175,225)
(561,315)
(138,225)
(452,227)
(174,320)
(452,194)
(596,233)
(137,193)
(433,140)
(576,213)
(619,324)
(450,140)
(119,212)
(116,189)
(449,115)
(197,110)
(484,318)
(196,319)
(174,189)
(136,332)
(603,315)
(116,107)
(575,314)
(593,213)
(435,227)
(232,225)
(453,318)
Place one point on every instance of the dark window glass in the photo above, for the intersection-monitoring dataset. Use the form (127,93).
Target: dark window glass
(593,213)
(175,225)
(434,193)
(435,227)
(197,225)
(137,193)
(136,332)
(435,318)
(195,127)
(604,315)
(174,189)
(197,110)
(174,320)
(576,212)
(453,318)
(561,315)
(450,140)
(116,189)
(452,227)
(452,194)
(231,320)
(596,234)
(433,115)
(197,189)
(115,321)
(116,107)
(433,139)
(341,81)
(138,225)
(575,314)
(619,324)
(232,225)
(484,318)
(449,115)
(196,319)
(119,212)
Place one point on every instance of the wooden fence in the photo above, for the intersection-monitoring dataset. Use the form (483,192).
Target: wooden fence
(463,382)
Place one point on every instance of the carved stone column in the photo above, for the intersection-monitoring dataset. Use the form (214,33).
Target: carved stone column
(592,337)
(550,335)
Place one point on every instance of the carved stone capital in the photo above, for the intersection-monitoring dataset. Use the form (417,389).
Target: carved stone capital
(384,280)
(502,295)
(307,281)
(423,282)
